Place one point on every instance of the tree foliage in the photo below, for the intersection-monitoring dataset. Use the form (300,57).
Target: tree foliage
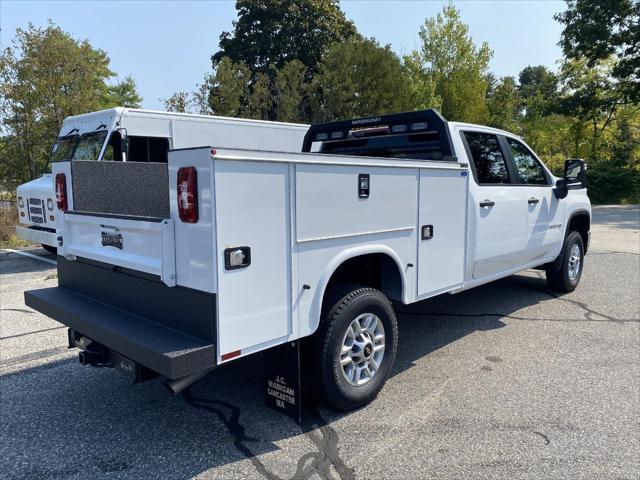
(455,66)
(45,76)
(270,33)
(291,92)
(229,91)
(359,78)
(596,30)
(123,94)
(505,104)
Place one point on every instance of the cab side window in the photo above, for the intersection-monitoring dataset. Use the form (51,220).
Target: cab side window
(147,149)
(528,167)
(113,151)
(488,160)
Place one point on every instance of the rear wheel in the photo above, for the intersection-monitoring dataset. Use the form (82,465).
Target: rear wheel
(566,277)
(354,348)
(50,249)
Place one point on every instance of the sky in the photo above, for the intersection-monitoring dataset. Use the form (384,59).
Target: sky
(166,45)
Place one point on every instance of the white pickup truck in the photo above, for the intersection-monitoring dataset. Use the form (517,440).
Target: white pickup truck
(174,269)
(128,134)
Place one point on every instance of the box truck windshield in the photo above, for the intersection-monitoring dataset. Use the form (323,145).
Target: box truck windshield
(78,147)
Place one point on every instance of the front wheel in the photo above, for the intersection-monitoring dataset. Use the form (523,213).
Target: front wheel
(567,276)
(354,348)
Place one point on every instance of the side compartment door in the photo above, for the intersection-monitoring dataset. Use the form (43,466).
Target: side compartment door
(498,207)
(441,231)
(254,252)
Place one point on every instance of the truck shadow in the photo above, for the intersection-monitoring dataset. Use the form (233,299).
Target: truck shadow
(63,420)
(14,263)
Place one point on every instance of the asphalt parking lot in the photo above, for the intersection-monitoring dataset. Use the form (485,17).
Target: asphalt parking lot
(503,381)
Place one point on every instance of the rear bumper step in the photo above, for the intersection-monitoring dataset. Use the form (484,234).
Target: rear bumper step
(169,353)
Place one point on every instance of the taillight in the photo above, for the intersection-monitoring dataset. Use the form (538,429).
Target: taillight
(61,191)
(188,194)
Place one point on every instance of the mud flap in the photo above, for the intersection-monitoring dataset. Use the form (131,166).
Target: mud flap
(282,380)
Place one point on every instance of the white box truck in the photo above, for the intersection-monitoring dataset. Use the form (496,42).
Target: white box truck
(127,134)
(226,252)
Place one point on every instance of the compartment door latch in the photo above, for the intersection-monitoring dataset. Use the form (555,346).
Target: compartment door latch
(237,257)
(427,232)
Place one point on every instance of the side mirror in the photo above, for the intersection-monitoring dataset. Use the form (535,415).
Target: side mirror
(124,144)
(575,174)
(575,178)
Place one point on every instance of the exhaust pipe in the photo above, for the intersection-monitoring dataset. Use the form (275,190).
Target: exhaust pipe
(179,384)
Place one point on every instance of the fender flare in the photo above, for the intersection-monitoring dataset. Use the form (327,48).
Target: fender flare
(579,211)
(316,304)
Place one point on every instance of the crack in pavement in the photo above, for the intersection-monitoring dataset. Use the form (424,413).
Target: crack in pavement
(33,332)
(322,460)
(514,317)
(611,252)
(20,310)
(52,352)
(589,311)
(546,439)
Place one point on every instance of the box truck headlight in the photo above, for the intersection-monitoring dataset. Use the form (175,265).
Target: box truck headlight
(20,202)
(49,204)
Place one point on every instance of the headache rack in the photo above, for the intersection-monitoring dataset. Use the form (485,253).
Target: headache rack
(420,135)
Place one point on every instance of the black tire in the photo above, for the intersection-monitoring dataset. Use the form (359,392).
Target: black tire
(327,376)
(50,249)
(559,279)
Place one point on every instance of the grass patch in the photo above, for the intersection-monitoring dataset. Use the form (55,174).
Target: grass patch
(8,237)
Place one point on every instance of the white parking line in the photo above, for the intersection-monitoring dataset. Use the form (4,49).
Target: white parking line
(30,255)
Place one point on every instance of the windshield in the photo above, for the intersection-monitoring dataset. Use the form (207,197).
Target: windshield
(89,146)
(63,148)
(78,147)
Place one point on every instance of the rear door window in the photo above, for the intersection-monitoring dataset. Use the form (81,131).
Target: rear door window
(489,161)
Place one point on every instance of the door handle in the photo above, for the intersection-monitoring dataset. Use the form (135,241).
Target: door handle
(487,203)
(532,201)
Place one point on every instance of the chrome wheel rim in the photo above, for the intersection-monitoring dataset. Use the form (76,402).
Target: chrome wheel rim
(574,262)
(362,349)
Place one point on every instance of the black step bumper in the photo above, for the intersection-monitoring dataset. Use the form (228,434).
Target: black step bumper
(138,318)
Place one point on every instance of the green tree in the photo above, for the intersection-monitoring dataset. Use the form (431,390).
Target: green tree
(196,101)
(538,88)
(359,78)
(596,30)
(177,102)
(260,102)
(269,33)
(45,76)
(123,94)
(229,89)
(422,88)
(505,105)
(291,91)
(592,99)
(456,66)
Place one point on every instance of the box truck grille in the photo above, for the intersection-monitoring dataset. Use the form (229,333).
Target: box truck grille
(37,212)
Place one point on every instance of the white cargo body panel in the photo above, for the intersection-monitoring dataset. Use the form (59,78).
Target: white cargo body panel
(252,210)
(143,245)
(328,205)
(443,201)
(195,243)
